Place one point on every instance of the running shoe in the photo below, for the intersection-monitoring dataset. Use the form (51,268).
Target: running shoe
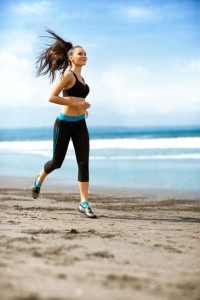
(87,211)
(35,189)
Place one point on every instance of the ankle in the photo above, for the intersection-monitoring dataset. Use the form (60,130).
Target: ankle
(38,184)
(85,204)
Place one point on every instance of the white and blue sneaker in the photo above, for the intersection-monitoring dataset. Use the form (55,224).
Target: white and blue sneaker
(86,210)
(36,188)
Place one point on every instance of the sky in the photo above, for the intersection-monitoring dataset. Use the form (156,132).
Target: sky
(143,66)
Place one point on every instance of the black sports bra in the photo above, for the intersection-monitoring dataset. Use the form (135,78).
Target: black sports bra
(77,90)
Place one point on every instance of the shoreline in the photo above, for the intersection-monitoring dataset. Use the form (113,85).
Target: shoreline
(50,186)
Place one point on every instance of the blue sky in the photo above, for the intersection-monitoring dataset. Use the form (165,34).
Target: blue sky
(143,64)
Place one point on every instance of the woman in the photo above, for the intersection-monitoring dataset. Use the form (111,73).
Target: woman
(71,121)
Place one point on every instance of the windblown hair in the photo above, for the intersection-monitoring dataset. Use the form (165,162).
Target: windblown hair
(55,57)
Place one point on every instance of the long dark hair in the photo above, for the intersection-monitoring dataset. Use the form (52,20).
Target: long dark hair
(55,57)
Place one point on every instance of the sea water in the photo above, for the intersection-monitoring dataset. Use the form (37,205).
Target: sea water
(129,157)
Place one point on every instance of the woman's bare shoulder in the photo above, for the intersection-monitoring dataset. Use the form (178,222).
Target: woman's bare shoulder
(67,77)
(68,74)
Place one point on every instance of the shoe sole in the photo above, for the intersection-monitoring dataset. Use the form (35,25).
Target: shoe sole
(34,195)
(83,212)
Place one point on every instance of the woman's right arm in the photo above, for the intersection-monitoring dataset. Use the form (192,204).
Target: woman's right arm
(62,82)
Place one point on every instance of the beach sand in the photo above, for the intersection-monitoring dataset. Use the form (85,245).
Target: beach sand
(144,244)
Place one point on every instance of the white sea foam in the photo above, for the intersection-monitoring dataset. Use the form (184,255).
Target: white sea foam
(167,143)
(170,143)
(130,157)
(146,157)
(140,157)
(48,153)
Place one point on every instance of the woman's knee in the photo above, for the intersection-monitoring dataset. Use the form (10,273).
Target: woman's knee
(83,164)
(83,171)
(51,166)
(57,164)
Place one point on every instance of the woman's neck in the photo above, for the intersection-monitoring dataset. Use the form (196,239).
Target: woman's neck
(77,69)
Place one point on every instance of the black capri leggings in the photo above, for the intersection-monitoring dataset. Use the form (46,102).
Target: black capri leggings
(78,131)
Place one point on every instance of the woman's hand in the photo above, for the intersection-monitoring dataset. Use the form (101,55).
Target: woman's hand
(86,114)
(82,104)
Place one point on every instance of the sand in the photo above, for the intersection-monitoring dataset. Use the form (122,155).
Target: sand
(144,244)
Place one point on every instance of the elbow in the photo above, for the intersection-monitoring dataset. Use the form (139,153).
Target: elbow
(53,98)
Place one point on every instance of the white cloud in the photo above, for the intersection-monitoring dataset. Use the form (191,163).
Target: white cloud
(168,11)
(192,67)
(17,73)
(19,86)
(37,8)
(134,89)
(137,13)
(18,42)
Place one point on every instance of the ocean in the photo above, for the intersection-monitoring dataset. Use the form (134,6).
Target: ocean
(126,157)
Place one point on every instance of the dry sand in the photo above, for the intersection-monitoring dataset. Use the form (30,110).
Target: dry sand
(144,245)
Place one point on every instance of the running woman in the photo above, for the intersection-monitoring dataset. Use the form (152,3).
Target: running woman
(71,121)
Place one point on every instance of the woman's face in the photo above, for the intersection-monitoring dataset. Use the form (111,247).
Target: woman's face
(79,57)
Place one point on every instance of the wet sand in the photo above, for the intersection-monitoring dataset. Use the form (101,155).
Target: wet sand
(144,244)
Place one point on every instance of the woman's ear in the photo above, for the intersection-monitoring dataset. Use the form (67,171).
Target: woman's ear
(70,58)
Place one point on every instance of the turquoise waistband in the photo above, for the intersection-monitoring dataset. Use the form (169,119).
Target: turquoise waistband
(69,118)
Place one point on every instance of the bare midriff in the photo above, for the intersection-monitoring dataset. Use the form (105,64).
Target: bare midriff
(73,111)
